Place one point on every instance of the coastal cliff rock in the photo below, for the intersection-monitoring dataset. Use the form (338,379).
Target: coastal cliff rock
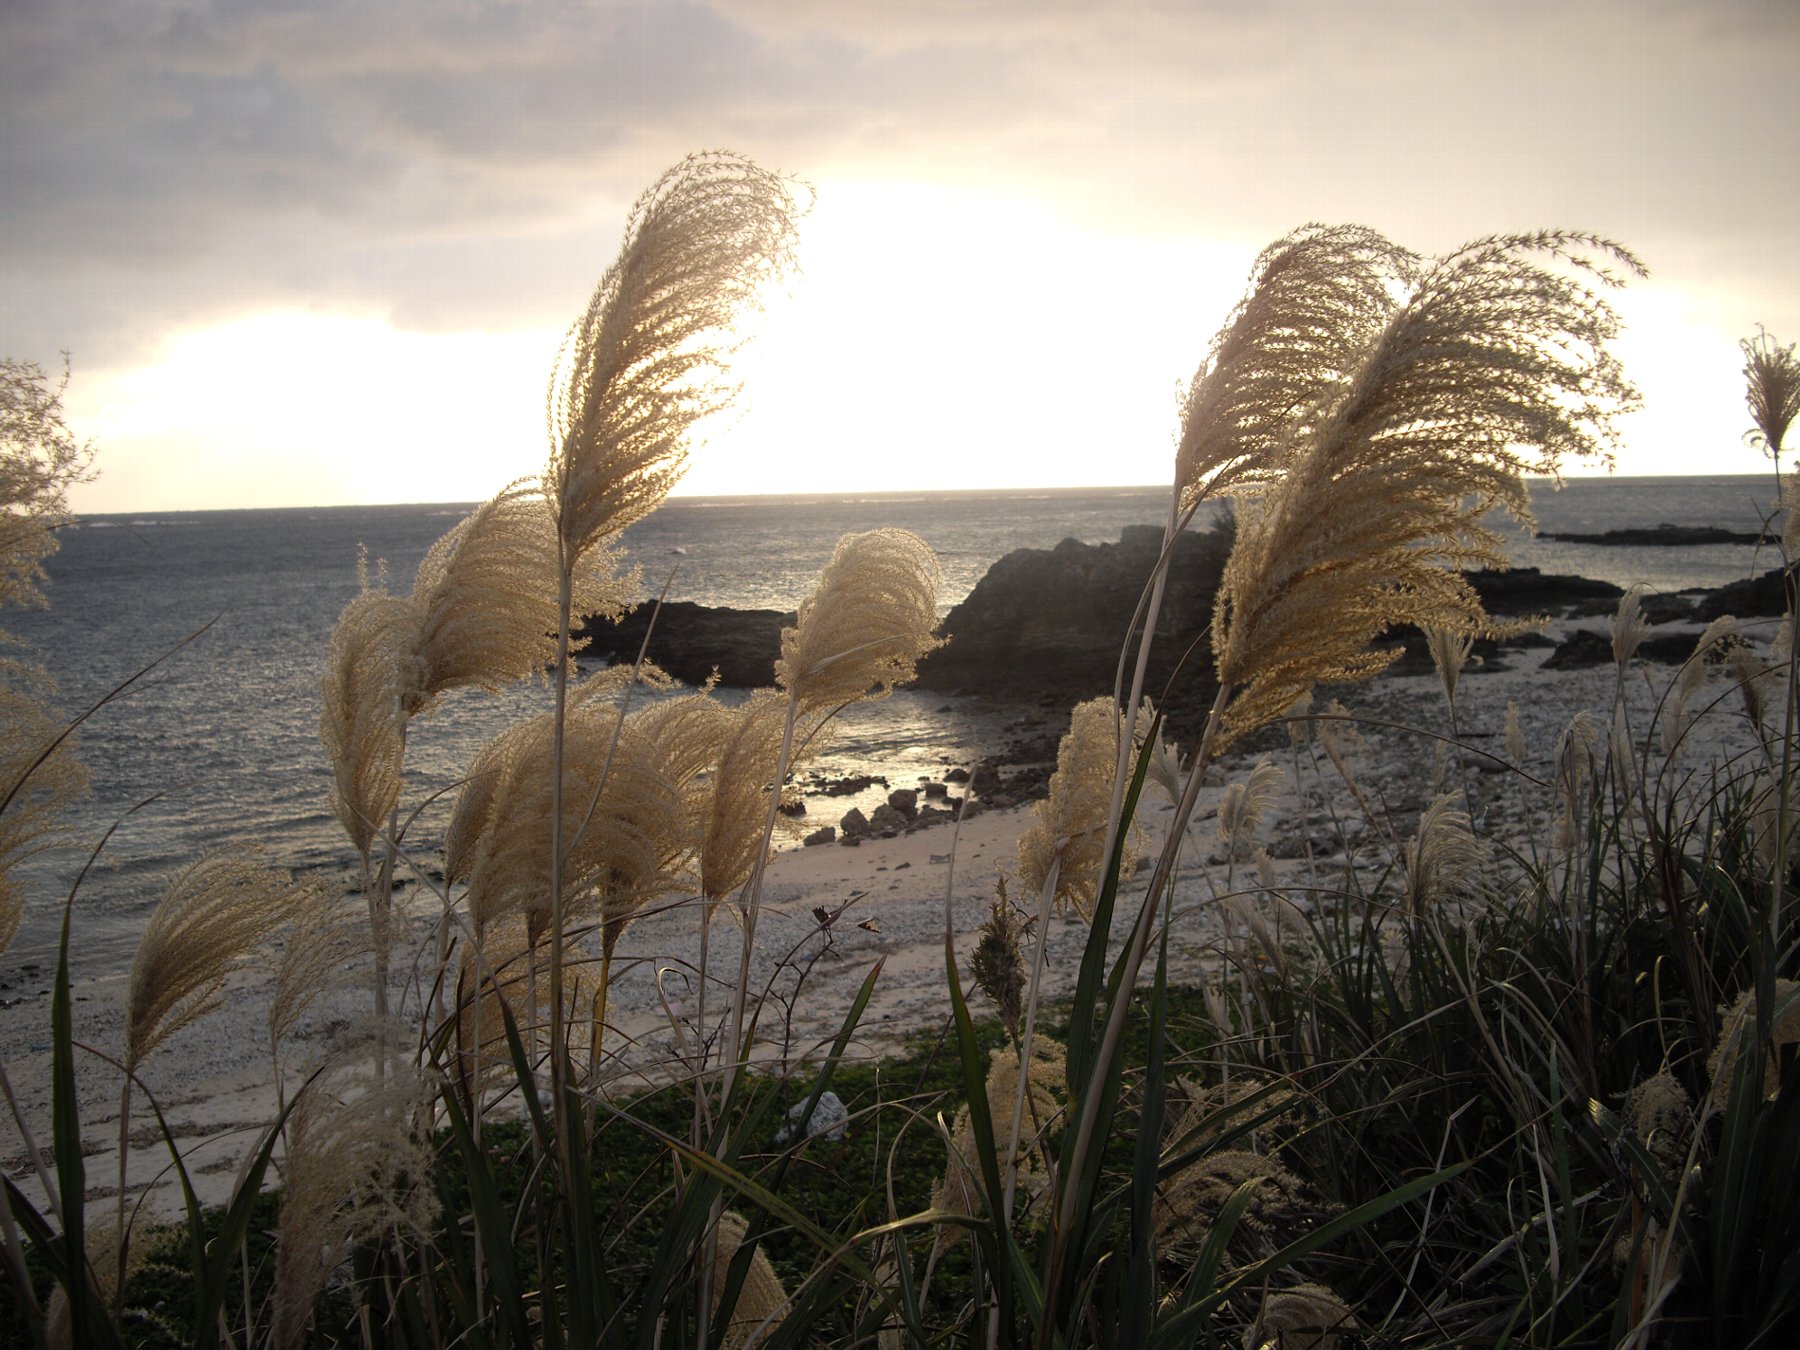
(1050,622)
(691,641)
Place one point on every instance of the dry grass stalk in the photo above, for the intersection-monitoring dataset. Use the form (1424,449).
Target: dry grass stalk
(762,1303)
(1629,628)
(1188,1203)
(1070,833)
(362,724)
(1660,1118)
(649,360)
(1315,300)
(959,1192)
(1494,366)
(103,1239)
(215,914)
(626,835)
(998,963)
(734,813)
(356,1168)
(1737,1037)
(1242,805)
(1772,377)
(324,936)
(1305,1317)
(1444,859)
(866,624)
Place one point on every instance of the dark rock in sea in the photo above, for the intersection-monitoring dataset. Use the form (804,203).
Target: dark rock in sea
(1522,591)
(1671,649)
(1754,598)
(854,823)
(825,834)
(691,641)
(957,775)
(1581,648)
(1052,621)
(885,820)
(904,800)
(1664,535)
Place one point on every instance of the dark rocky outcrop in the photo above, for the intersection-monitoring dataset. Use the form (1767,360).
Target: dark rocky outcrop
(690,641)
(1050,622)
(1754,598)
(1521,592)
(1663,536)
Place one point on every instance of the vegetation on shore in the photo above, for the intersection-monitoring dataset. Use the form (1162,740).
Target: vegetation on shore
(1459,1091)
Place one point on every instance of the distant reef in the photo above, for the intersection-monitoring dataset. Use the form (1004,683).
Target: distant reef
(1663,536)
(1048,624)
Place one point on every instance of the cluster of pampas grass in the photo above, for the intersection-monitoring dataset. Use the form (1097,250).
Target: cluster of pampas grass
(1370,410)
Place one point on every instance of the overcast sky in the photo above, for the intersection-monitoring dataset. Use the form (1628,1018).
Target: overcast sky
(320,253)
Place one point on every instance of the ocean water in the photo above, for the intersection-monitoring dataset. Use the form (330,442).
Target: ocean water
(216,747)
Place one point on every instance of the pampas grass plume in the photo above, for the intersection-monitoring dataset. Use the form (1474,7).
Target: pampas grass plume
(959,1191)
(1772,379)
(762,1303)
(649,360)
(865,626)
(1305,1317)
(1070,833)
(215,914)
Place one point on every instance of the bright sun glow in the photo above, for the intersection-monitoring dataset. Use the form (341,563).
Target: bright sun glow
(933,340)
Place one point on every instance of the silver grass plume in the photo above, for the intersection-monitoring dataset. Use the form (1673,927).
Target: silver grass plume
(41,782)
(960,1189)
(1212,1111)
(357,1167)
(486,598)
(625,835)
(362,723)
(503,972)
(1070,831)
(1718,637)
(1737,1037)
(1450,649)
(734,811)
(866,624)
(324,935)
(1316,298)
(649,360)
(1494,366)
(1629,628)
(1304,1317)
(1444,858)
(1772,379)
(215,914)
(1661,1119)
(1189,1201)
(762,1303)
(1575,762)
(1242,805)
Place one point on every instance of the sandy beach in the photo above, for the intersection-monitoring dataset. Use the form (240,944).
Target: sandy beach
(832,912)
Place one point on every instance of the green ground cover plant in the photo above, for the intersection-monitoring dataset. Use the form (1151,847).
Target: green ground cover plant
(1452,1090)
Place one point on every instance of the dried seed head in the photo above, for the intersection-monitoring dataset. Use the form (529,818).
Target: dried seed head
(1628,628)
(649,361)
(960,1190)
(357,1166)
(1242,805)
(1772,380)
(998,964)
(216,913)
(1444,858)
(1070,833)
(865,626)
(1305,1317)
(1660,1118)
(1737,1037)
(762,1303)
(1189,1201)
(1450,649)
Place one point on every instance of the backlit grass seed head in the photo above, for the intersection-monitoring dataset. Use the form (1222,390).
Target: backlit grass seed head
(626,836)
(1737,1037)
(356,1168)
(1070,832)
(1494,366)
(1628,627)
(1340,738)
(1188,1203)
(649,361)
(761,1303)
(324,937)
(1306,1317)
(865,626)
(1678,712)
(1661,1119)
(1450,651)
(1772,379)
(1243,803)
(370,673)
(734,810)
(215,914)
(40,793)
(1315,300)
(1444,859)
(1576,761)
(998,963)
(1209,1111)
(960,1189)
(486,598)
